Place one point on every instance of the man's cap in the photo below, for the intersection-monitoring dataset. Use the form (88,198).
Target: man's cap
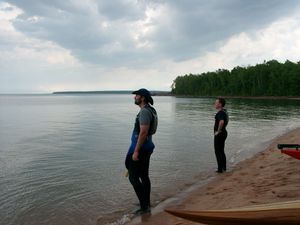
(144,92)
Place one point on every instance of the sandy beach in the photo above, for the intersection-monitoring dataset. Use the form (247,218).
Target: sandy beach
(267,177)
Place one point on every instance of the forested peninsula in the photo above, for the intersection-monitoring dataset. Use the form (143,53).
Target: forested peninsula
(270,78)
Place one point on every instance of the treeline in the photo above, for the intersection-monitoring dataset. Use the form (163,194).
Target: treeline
(267,79)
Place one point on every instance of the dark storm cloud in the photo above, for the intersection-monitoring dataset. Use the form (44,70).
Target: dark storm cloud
(201,25)
(62,23)
(185,30)
(120,9)
(81,28)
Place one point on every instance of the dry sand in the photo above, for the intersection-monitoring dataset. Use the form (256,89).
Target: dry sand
(267,177)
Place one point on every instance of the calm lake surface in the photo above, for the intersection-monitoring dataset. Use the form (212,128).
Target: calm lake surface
(62,156)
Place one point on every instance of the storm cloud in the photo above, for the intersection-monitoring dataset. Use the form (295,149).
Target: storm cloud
(137,36)
(122,32)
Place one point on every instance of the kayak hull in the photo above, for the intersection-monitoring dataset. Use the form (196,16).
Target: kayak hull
(287,213)
(292,152)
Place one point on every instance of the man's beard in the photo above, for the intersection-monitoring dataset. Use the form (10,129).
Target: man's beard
(137,101)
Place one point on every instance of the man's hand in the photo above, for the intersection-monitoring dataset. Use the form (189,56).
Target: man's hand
(135,156)
(221,124)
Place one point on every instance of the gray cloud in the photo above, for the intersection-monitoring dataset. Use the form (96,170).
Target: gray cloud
(100,32)
(122,10)
(200,25)
(79,28)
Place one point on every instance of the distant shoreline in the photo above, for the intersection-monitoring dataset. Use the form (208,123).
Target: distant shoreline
(264,97)
(90,92)
(154,93)
(168,93)
(243,97)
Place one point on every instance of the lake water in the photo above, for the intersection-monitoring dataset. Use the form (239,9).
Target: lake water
(62,156)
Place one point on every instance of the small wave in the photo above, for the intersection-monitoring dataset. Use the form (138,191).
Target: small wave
(232,159)
(122,221)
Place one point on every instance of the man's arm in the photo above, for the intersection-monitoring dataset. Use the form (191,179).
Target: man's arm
(221,125)
(144,129)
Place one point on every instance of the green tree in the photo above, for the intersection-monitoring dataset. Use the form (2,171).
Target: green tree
(269,78)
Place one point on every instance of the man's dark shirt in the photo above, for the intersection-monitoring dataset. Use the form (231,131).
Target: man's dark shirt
(221,115)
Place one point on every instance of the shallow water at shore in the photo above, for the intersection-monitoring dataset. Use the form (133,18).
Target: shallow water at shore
(62,157)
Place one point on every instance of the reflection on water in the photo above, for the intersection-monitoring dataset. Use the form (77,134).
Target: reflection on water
(264,109)
(62,157)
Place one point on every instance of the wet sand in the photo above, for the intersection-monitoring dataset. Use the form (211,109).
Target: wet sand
(268,177)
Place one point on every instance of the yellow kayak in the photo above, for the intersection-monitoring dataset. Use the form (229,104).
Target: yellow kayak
(285,213)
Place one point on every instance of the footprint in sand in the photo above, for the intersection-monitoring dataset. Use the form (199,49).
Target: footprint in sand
(287,194)
(255,202)
(179,223)
(279,169)
(243,174)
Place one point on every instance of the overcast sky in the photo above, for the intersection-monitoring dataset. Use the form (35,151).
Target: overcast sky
(57,45)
